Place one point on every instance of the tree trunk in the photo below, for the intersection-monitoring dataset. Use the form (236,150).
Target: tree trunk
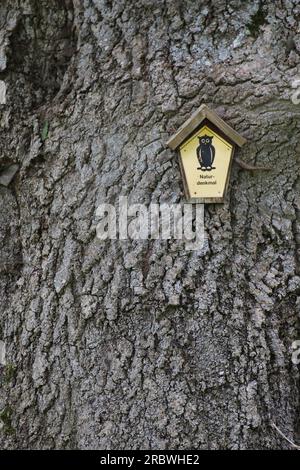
(124,344)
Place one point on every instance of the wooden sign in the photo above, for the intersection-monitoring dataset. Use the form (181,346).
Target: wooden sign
(206,145)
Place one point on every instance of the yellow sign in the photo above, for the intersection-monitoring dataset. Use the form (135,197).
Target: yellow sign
(206,145)
(205,161)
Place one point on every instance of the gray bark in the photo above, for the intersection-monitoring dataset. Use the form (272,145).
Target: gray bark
(141,344)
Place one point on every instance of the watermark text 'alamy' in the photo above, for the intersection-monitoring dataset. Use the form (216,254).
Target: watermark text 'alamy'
(155,221)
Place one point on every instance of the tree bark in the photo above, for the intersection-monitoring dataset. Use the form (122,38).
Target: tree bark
(141,344)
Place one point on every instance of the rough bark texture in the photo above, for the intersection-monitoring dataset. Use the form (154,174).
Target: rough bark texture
(123,344)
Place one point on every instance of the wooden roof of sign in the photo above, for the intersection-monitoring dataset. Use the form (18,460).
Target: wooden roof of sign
(201,114)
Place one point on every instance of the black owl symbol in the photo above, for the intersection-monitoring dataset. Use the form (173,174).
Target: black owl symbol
(206,153)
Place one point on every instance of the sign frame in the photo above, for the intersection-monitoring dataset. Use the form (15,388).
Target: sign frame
(205,117)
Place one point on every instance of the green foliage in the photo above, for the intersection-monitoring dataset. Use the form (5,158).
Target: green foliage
(9,372)
(45,131)
(257,20)
(5,418)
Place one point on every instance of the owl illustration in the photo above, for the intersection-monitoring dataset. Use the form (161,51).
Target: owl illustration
(206,153)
